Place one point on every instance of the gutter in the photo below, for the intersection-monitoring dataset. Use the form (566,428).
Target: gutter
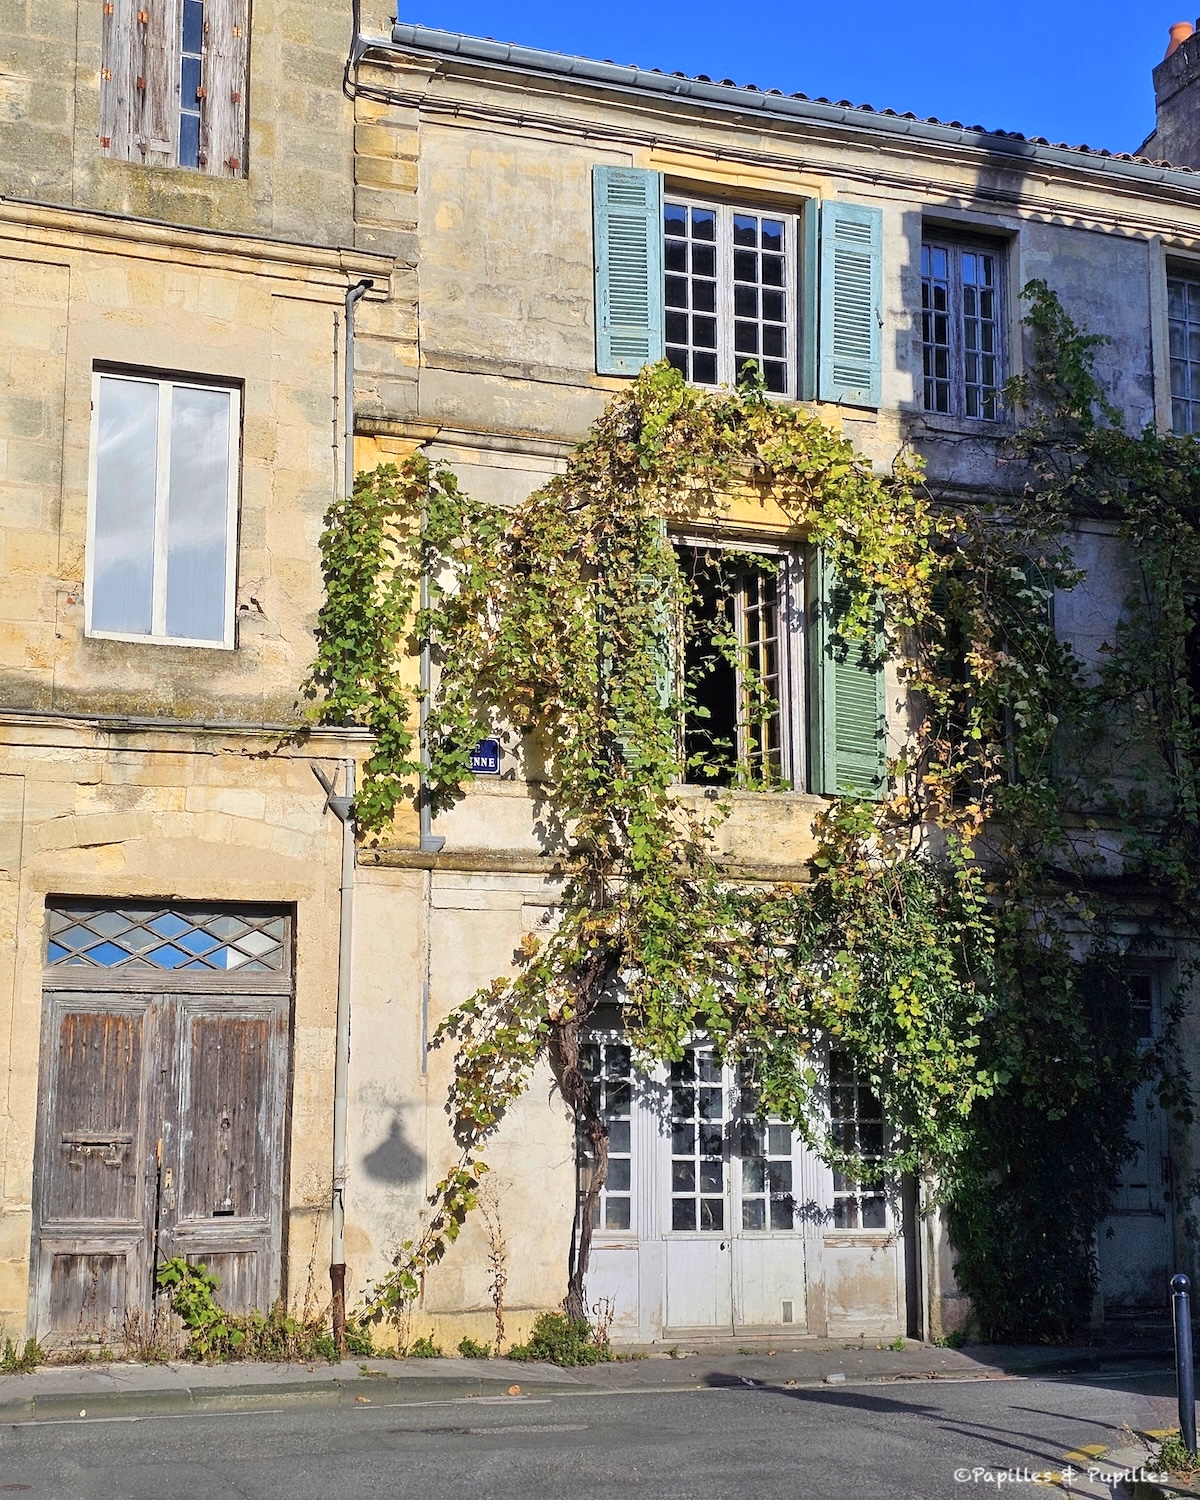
(1020,151)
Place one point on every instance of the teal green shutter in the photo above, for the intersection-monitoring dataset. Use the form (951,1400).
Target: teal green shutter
(851,304)
(628,210)
(847,709)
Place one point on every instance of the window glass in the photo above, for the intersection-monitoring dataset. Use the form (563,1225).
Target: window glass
(961,333)
(857,1126)
(608,1065)
(197,507)
(163,516)
(728,296)
(1183,308)
(123,546)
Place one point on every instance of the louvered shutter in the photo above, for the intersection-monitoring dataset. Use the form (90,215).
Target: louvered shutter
(847,707)
(627,203)
(851,304)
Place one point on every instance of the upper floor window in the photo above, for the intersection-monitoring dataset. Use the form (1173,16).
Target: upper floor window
(1183,308)
(961,329)
(715,288)
(162,524)
(173,83)
(742,649)
(728,294)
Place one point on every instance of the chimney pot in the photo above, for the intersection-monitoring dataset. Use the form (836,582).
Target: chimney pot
(1179,34)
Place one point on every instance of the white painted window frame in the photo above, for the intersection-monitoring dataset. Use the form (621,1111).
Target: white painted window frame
(166,387)
(726,357)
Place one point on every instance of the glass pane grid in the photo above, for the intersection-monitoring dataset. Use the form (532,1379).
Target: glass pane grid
(1183,303)
(698,1115)
(760,333)
(726,294)
(768,1200)
(690,248)
(761,679)
(961,337)
(191,45)
(856,1124)
(935,326)
(609,1067)
(165,937)
(980,335)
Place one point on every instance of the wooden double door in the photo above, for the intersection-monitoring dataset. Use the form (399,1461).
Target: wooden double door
(160,1133)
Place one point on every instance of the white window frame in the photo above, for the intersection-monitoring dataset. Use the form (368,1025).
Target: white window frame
(166,386)
(793,722)
(726,357)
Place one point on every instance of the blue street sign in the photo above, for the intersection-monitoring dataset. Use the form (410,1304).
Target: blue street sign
(485,758)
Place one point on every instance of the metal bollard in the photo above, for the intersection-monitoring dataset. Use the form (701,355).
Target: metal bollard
(1185,1376)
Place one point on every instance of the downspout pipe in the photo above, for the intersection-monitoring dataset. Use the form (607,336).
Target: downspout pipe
(343,808)
(354,295)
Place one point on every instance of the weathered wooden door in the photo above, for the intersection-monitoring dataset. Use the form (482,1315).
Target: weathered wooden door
(164,1056)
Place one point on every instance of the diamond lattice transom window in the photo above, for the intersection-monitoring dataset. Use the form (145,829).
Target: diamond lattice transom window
(145,936)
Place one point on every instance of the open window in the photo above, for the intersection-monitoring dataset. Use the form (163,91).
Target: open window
(742,664)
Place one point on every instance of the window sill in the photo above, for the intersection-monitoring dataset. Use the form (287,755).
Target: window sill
(158,640)
(976,427)
(873,1239)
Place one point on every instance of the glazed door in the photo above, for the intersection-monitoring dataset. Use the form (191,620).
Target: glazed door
(1135,1242)
(734,1250)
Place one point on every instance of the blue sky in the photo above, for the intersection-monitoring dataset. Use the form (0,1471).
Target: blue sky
(1065,69)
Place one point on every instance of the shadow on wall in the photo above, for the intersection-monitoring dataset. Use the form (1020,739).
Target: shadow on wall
(394,1161)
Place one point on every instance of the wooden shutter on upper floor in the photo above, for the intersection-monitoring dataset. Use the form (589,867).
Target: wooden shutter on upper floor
(140,83)
(156,128)
(223,118)
(851,297)
(627,205)
(847,709)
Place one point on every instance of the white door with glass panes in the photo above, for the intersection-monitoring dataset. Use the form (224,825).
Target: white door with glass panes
(1135,1242)
(715,1220)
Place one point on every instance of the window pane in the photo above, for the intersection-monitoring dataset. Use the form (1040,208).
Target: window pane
(123,555)
(198,514)
(617,1215)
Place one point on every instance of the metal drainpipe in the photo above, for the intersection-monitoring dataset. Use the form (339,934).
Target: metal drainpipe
(343,807)
(353,295)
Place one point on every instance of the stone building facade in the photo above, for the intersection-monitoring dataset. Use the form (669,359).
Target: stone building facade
(175,331)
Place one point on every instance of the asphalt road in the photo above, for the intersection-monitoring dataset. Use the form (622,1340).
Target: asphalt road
(895,1441)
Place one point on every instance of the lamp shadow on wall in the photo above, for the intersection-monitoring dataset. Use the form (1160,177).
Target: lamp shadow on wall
(394,1162)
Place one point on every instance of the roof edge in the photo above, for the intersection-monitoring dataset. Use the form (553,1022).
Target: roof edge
(410,37)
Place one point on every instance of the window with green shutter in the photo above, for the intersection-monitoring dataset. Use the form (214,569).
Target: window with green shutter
(716,287)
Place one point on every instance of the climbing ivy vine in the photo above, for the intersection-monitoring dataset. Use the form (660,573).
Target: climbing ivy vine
(947,939)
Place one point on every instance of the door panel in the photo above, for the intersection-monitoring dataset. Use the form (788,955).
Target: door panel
(226,1125)
(769,1282)
(229,1148)
(1134,1243)
(88,1294)
(699,1287)
(96,1114)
